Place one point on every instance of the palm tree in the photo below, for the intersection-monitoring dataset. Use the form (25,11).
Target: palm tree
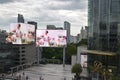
(77,69)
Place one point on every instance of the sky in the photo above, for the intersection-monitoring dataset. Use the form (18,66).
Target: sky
(45,12)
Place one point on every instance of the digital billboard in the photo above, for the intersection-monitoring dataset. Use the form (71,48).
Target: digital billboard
(21,33)
(51,38)
(84,60)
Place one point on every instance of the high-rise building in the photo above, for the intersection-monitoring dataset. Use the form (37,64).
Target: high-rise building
(67,27)
(103,23)
(51,27)
(83,33)
(3,35)
(20,18)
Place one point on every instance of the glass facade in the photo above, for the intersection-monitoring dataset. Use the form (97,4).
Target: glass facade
(103,21)
(104,28)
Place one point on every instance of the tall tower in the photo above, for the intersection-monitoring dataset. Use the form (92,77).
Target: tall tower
(20,18)
(67,28)
(103,20)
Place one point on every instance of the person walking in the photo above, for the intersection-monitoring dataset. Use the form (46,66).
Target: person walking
(23,76)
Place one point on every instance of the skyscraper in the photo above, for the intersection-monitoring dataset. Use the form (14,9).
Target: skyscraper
(67,27)
(103,21)
(20,18)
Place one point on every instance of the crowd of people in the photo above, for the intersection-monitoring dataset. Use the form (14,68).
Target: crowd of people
(25,77)
(22,77)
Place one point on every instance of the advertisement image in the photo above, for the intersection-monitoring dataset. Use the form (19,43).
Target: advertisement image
(51,38)
(84,61)
(21,33)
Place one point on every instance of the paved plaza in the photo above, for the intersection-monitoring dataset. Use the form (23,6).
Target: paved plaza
(49,72)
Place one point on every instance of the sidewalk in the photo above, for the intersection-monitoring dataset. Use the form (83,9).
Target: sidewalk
(50,72)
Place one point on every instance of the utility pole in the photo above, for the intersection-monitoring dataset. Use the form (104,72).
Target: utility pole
(63,56)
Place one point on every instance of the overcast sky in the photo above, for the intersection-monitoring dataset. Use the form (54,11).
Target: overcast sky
(44,12)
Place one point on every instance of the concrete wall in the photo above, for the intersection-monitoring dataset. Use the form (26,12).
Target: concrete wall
(74,59)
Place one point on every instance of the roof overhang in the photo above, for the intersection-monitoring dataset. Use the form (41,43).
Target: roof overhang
(100,52)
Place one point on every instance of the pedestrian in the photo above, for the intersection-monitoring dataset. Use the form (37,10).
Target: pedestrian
(23,76)
(40,78)
(26,77)
(64,78)
(3,76)
(19,77)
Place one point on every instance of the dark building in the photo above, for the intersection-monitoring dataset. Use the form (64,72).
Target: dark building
(6,60)
(5,53)
(53,27)
(59,28)
(33,23)
(103,23)
(20,18)
(104,29)
(67,26)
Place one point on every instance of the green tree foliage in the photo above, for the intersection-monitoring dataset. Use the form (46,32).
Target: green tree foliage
(49,53)
(77,69)
(71,49)
(82,42)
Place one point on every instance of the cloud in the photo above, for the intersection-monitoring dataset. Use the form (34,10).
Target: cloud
(8,1)
(5,1)
(67,4)
(46,12)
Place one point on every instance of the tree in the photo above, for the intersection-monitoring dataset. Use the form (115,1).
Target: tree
(82,42)
(50,52)
(77,69)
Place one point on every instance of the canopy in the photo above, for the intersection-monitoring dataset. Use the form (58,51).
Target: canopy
(99,52)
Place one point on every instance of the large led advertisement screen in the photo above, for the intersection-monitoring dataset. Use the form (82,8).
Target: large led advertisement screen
(51,38)
(84,60)
(21,33)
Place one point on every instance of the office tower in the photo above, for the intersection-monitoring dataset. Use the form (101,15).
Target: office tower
(103,20)
(103,23)
(20,18)
(83,33)
(53,27)
(67,27)
(3,35)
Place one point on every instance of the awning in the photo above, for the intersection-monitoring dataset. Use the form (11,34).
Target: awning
(100,52)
